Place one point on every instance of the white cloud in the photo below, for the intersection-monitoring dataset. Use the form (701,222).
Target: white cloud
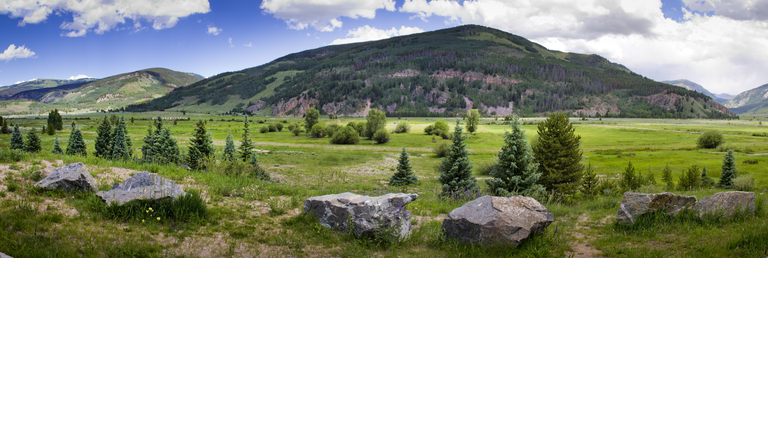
(214,30)
(77,77)
(742,10)
(103,15)
(367,33)
(323,15)
(249,44)
(14,52)
(230,43)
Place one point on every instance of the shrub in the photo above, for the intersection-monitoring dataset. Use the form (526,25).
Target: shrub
(346,135)
(710,139)
(381,136)
(375,120)
(279,126)
(297,130)
(666,177)
(318,130)
(331,129)
(631,179)
(744,182)
(473,120)
(311,118)
(359,127)
(440,150)
(485,168)
(264,129)
(271,127)
(403,127)
(440,128)
(690,178)
(291,126)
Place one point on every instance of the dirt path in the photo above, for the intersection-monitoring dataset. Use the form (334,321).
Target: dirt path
(580,248)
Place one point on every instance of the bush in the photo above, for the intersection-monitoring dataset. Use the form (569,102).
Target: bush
(690,178)
(359,127)
(744,182)
(272,127)
(297,129)
(279,126)
(264,129)
(381,136)
(485,168)
(346,135)
(403,127)
(440,150)
(331,129)
(631,179)
(710,139)
(318,130)
(440,128)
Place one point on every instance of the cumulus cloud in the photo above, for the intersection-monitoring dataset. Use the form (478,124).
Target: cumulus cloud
(214,30)
(103,15)
(249,45)
(77,77)
(742,10)
(368,33)
(323,15)
(14,52)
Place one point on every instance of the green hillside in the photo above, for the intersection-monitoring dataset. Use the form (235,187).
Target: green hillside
(8,91)
(751,102)
(440,73)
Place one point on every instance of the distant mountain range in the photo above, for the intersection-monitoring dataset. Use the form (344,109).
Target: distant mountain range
(106,93)
(753,101)
(440,73)
(690,85)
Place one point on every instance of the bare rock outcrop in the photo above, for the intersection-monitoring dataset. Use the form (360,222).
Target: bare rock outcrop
(726,203)
(634,205)
(72,177)
(143,185)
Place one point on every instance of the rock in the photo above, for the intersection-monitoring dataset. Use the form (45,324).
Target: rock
(491,220)
(726,203)
(143,185)
(634,205)
(72,177)
(370,216)
(2,255)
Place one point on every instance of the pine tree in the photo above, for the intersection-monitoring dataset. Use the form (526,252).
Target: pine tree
(151,149)
(404,175)
(58,122)
(516,171)
(32,144)
(49,130)
(229,148)
(589,181)
(121,142)
(559,155)
(17,141)
(729,171)
(455,169)
(246,147)
(103,144)
(57,146)
(76,144)
(5,129)
(200,146)
(666,177)
(167,147)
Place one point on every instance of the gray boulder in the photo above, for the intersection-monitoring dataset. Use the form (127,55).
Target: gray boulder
(491,220)
(369,216)
(726,203)
(143,185)
(2,255)
(72,177)
(634,205)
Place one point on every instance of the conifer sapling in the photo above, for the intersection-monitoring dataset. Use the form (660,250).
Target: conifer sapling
(404,175)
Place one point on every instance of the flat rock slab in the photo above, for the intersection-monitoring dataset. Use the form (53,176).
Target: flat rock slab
(726,203)
(143,185)
(491,220)
(634,205)
(72,177)
(369,216)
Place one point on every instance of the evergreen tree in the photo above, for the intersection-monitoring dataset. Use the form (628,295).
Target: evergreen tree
(168,148)
(76,143)
(246,146)
(103,144)
(55,121)
(151,149)
(589,181)
(5,129)
(32,144)
(559,155)
(455,169)
(404,175)
(311,118)
(17,141)
(666,177)
(49,129)
(200,146)
(729,171)
(473,120)
(516,171)
(121,142)
(229,148)
(57,146)
(706,180)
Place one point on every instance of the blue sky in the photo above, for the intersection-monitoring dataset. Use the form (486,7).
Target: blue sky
(720,44)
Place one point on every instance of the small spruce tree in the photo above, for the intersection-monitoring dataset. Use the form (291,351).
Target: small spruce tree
(121,142)
(103,144)
(76,143)
(729,171)
(5,129)
(57,146)
(246,146)
(151,149)
(17,141)
(200,146)
(559,154)
(33,143)
(589,181)
(456,169)
(167,147)
(229,148)
(404,175)
(516,171)
(666,177)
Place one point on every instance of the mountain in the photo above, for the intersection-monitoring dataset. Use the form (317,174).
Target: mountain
(690,85)
(753,101)
(8,91)
(439,73)
(112,92)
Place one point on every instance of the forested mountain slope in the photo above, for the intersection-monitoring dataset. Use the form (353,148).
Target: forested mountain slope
(440,73)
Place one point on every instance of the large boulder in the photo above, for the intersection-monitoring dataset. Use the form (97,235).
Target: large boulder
(382,216)
(491,220)
(726,203)
(143,185)
(71,178)
(634,205)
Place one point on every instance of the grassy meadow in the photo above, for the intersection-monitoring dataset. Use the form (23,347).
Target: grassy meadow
(247,217)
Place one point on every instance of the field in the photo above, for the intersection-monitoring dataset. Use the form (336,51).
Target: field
(247,217)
